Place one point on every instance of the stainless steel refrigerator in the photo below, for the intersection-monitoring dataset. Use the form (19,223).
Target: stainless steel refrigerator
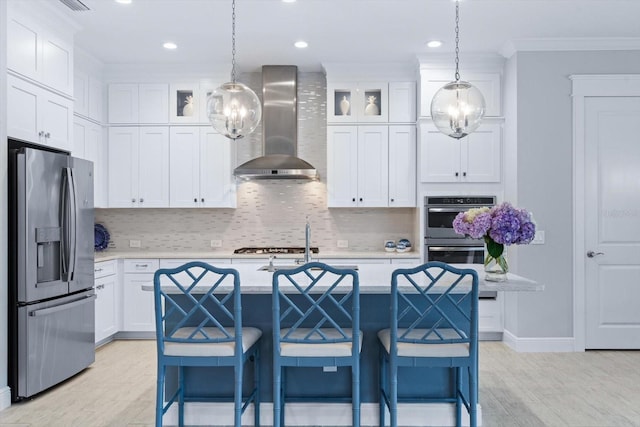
(51,295)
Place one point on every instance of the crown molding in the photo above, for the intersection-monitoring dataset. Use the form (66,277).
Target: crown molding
(469,61)
(359,71)
(569,44)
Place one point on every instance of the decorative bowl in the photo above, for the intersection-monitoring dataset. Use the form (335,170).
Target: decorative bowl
(100,237)
(390,246)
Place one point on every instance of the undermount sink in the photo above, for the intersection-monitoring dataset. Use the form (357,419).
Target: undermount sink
(290,267)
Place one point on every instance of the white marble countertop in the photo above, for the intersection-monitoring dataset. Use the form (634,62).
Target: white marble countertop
(109,255)
(374,279)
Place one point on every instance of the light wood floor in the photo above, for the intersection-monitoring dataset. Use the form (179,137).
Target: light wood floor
(596,388)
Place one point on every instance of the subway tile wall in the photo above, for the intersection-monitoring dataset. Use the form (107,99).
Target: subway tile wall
(269,212)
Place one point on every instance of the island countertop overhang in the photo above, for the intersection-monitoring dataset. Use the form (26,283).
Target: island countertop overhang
(374,279)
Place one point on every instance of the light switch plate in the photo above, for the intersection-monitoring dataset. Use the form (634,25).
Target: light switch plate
(538,239)
(216,243)
(134,243)
(343,243)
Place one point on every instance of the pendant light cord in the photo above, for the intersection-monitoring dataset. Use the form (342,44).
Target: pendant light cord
(233,41)
(457,39)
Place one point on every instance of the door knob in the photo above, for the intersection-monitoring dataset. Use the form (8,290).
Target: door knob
(592,254)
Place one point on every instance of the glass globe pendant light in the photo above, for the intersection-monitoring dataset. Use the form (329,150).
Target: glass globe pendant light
(234,109)
(458,107)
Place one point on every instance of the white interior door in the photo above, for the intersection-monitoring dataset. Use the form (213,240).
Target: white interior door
(612,220)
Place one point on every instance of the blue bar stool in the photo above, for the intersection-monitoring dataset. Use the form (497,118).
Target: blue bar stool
(434,323)
(199,323)
(316,322)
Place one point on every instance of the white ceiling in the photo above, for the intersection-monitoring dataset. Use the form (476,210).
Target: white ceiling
(340,31)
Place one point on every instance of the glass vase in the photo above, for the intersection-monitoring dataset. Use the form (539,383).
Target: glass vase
(496,269)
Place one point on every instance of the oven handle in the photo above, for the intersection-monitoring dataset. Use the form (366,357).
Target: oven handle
(446,209)
(456,248)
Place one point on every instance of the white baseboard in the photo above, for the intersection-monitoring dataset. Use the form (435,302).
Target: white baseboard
(539,345)
(319,414)
(5,398)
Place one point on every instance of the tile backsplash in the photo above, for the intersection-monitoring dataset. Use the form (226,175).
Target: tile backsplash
(269,212)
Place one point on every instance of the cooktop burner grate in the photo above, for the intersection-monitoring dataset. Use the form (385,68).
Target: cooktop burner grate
(271,250)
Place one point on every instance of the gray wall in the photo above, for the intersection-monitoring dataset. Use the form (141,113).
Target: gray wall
(544,180)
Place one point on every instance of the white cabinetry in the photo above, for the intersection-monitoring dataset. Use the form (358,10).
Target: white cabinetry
(139,314)
(475,158)
(371,166)
(138,167)
(87,91)
(487,83)
(353,102)
(402,102)
(87,144)
(200,168)
(138,103)
(38,50)
(358,166)
(106,287)
(35,114)
(402,166)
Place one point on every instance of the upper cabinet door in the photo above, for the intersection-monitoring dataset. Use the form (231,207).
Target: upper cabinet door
(402,166)
(373,166)
(153,103)
(123,103)
(153,167)
(482,154)
(184,167)
(38,52)
(439,156)
(217,157)
(402,102)
(57,120)
(123,167)
(342,170)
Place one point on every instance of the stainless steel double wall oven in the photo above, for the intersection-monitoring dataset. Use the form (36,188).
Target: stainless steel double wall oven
(441,242)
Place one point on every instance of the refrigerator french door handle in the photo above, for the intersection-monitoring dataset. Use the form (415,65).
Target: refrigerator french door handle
(61,307)
(68,224)
(73,211)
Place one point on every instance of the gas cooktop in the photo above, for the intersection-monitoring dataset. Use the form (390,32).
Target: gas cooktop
(266,250)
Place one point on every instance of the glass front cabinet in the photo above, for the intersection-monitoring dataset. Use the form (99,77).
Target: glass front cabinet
(365,102)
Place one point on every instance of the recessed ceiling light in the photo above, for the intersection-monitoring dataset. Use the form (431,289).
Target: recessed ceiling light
(434,43)
(301,44)
(288,1)
(170,45)
(124,1)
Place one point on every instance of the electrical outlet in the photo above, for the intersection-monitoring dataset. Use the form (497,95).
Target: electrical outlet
(329,369)
(216,243)
(134,243)
(343,243)
(538,239)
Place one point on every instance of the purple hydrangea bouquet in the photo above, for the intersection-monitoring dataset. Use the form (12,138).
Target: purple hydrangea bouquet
(499,226)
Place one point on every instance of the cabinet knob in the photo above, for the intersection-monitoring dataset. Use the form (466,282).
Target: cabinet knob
(195,200)
(47,135)
(393,200)
(133,200)
(41,133)
(202,200)
(360,198)
(141,200)
(464,174)
(457,174)
(353,200)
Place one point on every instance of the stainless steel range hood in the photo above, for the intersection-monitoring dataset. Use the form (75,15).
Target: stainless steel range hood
(279,129)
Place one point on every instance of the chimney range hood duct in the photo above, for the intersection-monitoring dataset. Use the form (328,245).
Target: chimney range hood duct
(279,129)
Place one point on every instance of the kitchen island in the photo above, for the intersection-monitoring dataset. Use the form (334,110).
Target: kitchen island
(374,288)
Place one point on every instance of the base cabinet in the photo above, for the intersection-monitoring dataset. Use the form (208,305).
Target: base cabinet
(139,315)
(106,288)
